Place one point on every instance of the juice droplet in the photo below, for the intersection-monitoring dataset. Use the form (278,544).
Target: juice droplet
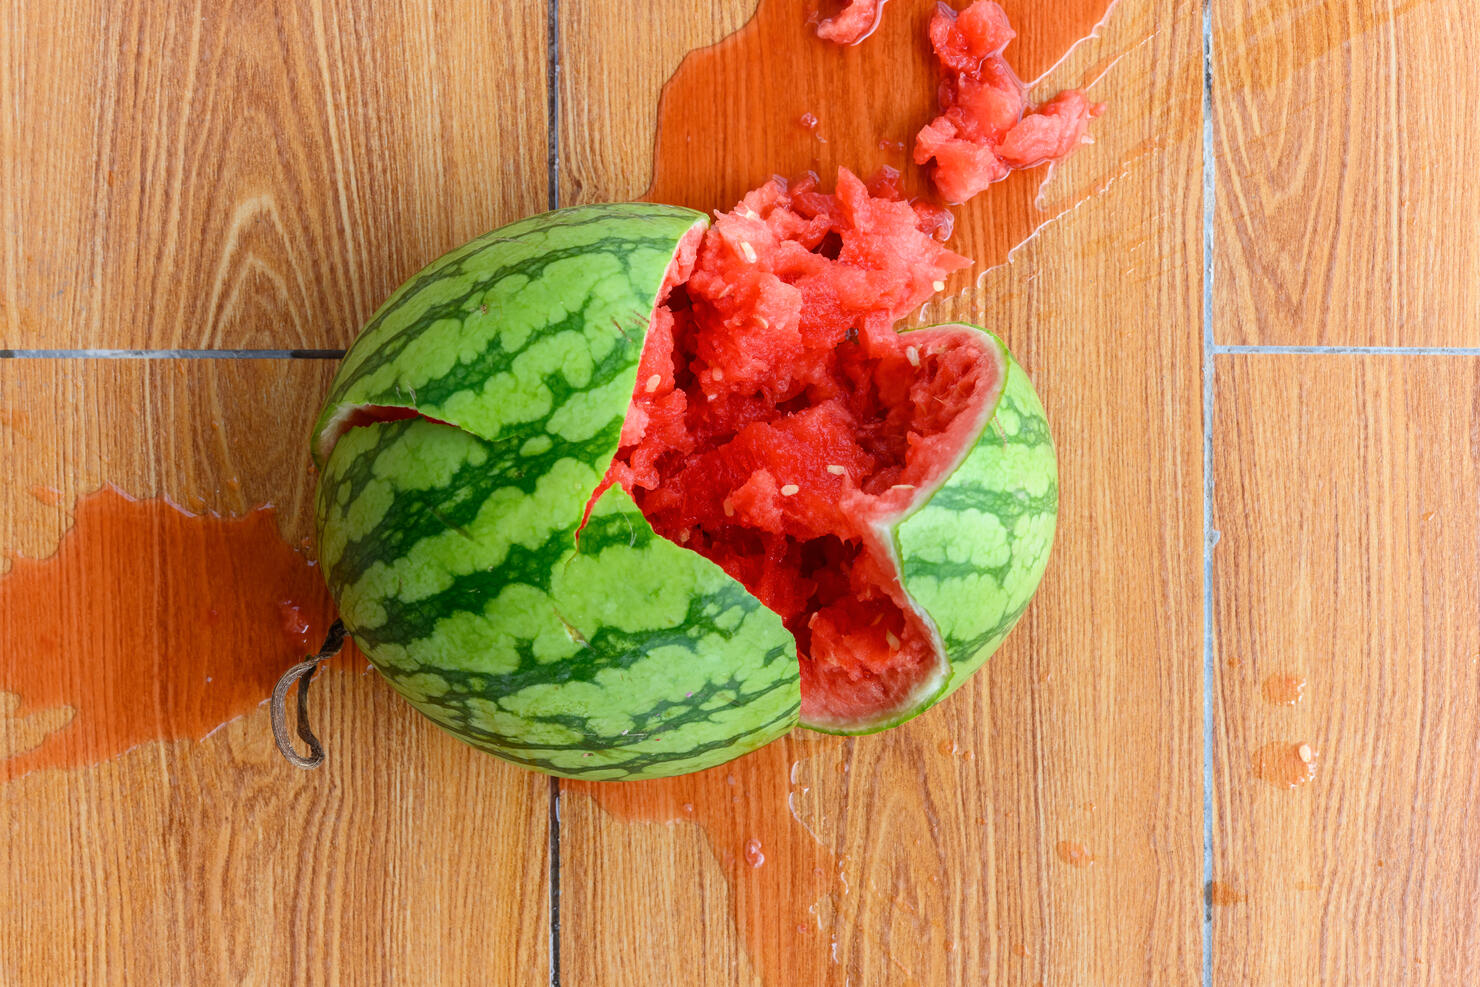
(1074,854)
(1285,764)
(151,624)
(1283,689)
(1019,949)
(1222,893)
(296,625)
(753,854)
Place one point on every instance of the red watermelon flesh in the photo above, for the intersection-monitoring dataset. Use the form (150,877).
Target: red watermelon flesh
(850,25)
(780,423)
(987,128)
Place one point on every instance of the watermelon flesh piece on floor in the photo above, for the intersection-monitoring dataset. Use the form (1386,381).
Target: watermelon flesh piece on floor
(854,22)
(987,128)
(781,425)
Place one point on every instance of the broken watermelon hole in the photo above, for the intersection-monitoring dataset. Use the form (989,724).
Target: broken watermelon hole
(781,426)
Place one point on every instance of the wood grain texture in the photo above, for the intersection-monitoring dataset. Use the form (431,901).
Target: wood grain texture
(929,854)
(1346,498)
(612,68)
(252,174)
(1345,145)
(407,858)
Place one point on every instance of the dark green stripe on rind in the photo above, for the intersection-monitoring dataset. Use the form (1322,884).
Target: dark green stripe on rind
(973,555)
(456,568)
(532,330)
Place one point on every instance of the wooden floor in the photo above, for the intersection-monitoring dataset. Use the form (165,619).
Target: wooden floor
(1236,739)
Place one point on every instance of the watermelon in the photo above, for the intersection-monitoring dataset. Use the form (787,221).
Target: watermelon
(614,494)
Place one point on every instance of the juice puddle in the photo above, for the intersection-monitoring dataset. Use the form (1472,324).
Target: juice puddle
(1285,763)
(774,99)
(776,870)
(148,623)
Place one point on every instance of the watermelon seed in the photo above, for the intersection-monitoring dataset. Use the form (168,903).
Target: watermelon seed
(836,470)
(913,355)
(653,382)
(938,285)
(748,251)
(716,374)
(789,490)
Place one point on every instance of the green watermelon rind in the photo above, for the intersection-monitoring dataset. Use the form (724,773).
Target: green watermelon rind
(620,655)
(975,553)
(966,574)
(536,324)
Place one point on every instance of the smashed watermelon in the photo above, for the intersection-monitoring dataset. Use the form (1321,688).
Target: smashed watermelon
(613,495)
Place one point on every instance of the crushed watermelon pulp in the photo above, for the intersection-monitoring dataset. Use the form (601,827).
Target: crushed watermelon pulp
(780,424)
(987,128)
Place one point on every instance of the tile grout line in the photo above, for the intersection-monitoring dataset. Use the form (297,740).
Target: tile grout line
(552,177)
(1350,350)
(170,354)
(1209,351)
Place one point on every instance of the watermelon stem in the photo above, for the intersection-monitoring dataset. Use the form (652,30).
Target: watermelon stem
(302,673)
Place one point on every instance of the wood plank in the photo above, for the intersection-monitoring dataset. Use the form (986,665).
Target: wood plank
(1350,534)
(932,853)
(248,174)
(1346,200)
(612,68)
(407,857)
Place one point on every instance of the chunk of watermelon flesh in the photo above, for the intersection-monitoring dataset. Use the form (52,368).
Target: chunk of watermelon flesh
(987,128)
(854,22)
(780,425)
